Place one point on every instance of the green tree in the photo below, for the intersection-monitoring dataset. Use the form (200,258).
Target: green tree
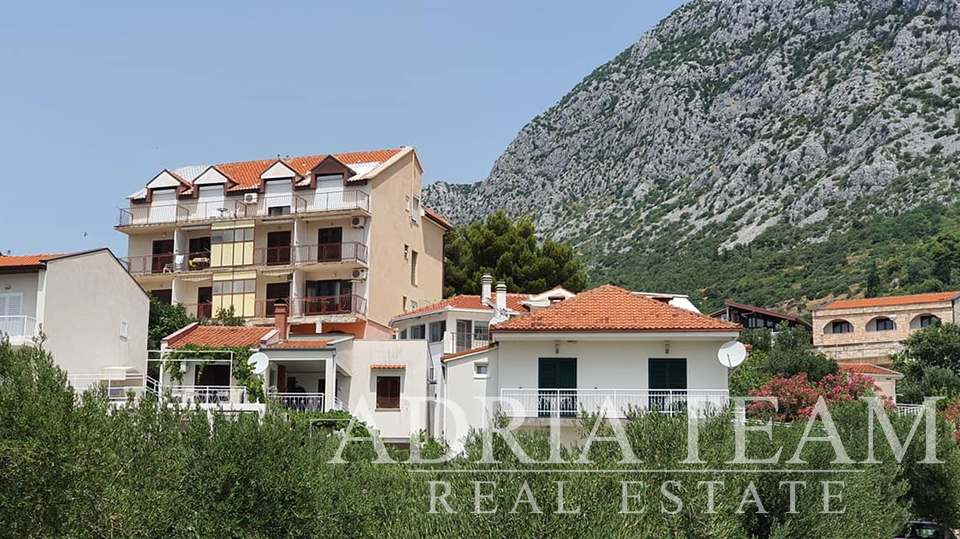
(790,352)
(164,320)
(934,346)
(510,251)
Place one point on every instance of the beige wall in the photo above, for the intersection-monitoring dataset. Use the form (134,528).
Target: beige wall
(865,344)
(86,298)
(391,227)
(25,284)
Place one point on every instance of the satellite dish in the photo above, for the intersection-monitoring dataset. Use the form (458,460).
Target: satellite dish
(732,354)
(260,361)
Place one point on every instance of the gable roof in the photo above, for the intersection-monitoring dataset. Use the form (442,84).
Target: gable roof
(890,301)
(218,336)
(301,344)
(437,218)
(246,174)
(612,309)
(775,314)
(466,302)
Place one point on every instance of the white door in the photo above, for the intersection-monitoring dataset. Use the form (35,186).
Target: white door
(11,306)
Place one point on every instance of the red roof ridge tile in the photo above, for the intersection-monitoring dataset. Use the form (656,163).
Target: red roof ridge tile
(218,336)
(27,261)
(889,301)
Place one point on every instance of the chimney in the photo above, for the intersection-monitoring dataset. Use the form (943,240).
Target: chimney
(486,283)
(280,314)
(501,296)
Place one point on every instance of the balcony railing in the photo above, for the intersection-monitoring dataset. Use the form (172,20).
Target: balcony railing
(310,254)
(199,310)
(166,263)
(460,342)
(118,390)
(301,402)
(190,395)
(232,208)
(571,402)
(18,326)
(315,306)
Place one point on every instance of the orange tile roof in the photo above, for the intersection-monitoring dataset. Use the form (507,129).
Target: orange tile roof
(446,357)
(437,217)
(934,297)
(611,308)
(866,368)
(305,344)
(247,173)
(387,366)
(469,302)
(25,261)
(219,336)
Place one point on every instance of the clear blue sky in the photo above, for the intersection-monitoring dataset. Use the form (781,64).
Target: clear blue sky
(95,100)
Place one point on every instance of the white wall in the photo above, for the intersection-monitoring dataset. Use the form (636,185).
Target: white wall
(464,388)
(394,425)
(25,284)
(86,298)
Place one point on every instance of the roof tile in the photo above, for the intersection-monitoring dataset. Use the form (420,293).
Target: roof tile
(221,336)
(866,368)
(469,302)
(387,366)
(890,301)
(611,308)
(25,261)
(304,344)
(247,173)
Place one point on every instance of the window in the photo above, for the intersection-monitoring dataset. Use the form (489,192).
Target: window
(414,258)
(403,335)
(481,332)
(417,332)
(883,324)
(841,326)
(388,392)
(123,329)
(406,203)
(278,210)
(928,320)
(415,216)
(481,370)
(437,329)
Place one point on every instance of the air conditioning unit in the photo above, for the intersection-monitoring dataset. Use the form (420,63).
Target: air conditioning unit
(358,222)
(250,198)
(359,274)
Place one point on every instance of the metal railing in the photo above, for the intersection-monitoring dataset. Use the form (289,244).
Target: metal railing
(199,310)
(166,263)
(265,206)
(909,409)
(314,306)
(461,342)
(301,402)
(18,326)
(118,389)
(190,395)
(615,403)
(350,251)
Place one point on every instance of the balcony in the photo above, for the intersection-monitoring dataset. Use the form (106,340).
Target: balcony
(186,211)
(166,263)
(207,395)
(569,403)
(118,389)
(302,255)
(460,342)
(315,306)
(300,402)
(199,310)
(19,328)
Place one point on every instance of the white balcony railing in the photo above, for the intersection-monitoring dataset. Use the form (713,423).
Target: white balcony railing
(235,208)
(615,402)
(18,326)
(301,402)
(215,395)
(118,389)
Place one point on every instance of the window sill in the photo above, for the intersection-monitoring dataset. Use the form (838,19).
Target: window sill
(387,409)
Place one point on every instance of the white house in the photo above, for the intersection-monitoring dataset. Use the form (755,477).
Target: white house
(603,346)
(92,314)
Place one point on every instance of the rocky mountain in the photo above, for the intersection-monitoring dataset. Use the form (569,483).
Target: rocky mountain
(738,129)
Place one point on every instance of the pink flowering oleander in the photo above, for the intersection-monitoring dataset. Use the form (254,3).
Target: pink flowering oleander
(797,396)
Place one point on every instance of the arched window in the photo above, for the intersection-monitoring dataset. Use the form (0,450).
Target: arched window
(839,326)
(881,324)
(924,321)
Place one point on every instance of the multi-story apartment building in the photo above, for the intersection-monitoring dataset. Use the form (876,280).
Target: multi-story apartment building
(870,330)
(92,316)
(341,239)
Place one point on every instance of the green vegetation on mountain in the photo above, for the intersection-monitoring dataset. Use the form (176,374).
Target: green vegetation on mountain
(509,251)
(778,152)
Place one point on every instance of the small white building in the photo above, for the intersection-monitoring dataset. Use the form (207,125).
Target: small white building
(92,315)
(606,346)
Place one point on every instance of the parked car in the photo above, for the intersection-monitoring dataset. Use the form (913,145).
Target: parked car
(919,529)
